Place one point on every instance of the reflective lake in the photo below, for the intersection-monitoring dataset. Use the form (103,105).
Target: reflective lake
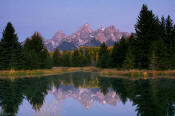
(86,94)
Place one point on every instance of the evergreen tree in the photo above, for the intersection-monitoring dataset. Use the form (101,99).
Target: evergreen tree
(35,64)
(87,58)
(46,61)
(103,56)
(118,54)
(29,55)
(82,59)
(129,60)
(159,55)
(113,60)
(154,62)
(11,51)
(169,30)
(36,55)
(162,27)
(169,41)
(56,57)
(76,58)
(66,58)
(146,30)
(173,48)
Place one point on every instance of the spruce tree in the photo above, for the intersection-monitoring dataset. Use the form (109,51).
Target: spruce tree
(118,54)
(146,30)
(162,28)
(29,55)
(56,57)
(11,51)
(66,59)
(159,55)
(34,64)
(46,61)
(76,58)
(82,60)
(36,55)
(113,60)
(129,60)
(172,55)
(87,58)
(169,30)
(103,56)
(169,41)
(154,62)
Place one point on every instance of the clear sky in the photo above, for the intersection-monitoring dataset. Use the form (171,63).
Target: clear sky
(49,16)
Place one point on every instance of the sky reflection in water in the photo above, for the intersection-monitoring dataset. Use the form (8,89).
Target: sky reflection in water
(87,94)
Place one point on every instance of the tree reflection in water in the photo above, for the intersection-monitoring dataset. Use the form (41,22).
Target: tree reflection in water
(151,97)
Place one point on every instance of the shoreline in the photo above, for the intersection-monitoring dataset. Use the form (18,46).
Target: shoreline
(112,73)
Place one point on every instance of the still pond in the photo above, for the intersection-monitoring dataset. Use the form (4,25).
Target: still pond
(86,94)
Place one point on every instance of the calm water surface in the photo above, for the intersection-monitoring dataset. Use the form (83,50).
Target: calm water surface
(86,94)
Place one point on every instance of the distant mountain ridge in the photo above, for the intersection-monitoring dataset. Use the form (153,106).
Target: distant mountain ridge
(85,36)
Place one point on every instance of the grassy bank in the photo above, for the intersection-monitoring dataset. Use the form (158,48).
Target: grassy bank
(144,74)
(36,73)
(103,72)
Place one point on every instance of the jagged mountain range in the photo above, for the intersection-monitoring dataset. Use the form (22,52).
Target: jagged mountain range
(85,36)
(86,96)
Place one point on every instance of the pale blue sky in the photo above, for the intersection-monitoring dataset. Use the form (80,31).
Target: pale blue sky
(49,16)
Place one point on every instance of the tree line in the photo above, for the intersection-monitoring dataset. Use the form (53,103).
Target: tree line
(151,47)
(13,55)
(32,54)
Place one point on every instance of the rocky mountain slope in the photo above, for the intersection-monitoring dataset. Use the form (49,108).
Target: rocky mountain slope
(85,36)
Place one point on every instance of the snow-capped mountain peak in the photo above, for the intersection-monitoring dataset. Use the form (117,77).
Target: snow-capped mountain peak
(85,36)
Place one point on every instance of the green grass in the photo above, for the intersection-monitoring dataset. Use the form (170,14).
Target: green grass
(134,74)
(144,74)
(35,73)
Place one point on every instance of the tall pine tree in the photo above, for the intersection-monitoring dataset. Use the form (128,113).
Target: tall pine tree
(173,48)
(118,54)
(36,54)
(66,59)
(11,51)
(146,30)
(169,42)
(103,56)
(56,58)
(76,58)
(129,60)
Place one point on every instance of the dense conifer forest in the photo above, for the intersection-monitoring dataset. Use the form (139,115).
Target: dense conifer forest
(151,47)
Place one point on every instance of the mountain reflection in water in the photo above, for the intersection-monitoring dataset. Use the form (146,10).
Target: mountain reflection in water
(86,96)
(147,97)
